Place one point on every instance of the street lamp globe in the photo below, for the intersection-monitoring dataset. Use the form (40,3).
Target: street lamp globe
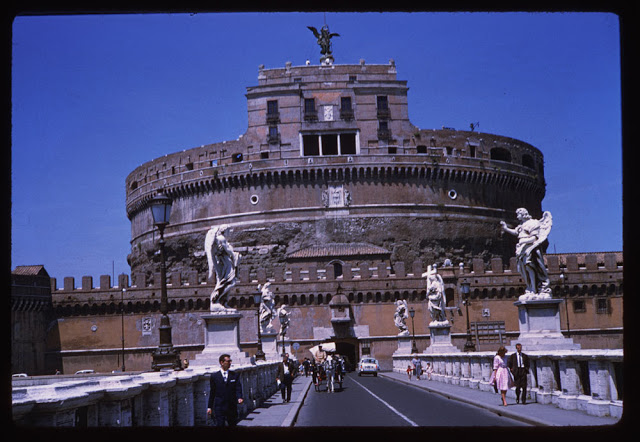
(161,209)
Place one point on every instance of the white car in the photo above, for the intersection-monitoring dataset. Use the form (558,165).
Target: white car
(368,366)
(85,371)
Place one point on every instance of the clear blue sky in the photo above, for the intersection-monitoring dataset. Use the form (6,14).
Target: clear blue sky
(93,97)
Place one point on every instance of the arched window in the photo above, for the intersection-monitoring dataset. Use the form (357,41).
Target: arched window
(527,161)
(337,268)
(500,154)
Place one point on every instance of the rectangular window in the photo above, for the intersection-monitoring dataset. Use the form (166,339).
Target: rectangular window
(579,306)
(310,145)
(383,104)
(348,144)
(472,151)
(310,112)
(330,144)
(421,149)
(264,155)
(602,305)
(272,107)
(309,105)
(345,104)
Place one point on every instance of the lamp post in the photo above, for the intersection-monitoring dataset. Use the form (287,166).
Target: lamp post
(283,349)
(465,288)
(260,356)
(566,302)
(122,323)
(165,356)
(414,348)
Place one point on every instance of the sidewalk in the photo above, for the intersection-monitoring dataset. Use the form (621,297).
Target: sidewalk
(275,413)
(532,413)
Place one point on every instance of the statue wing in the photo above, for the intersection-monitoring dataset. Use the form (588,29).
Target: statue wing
(209,241)
(334,35)
(315,31)
(545,227)
(441,284)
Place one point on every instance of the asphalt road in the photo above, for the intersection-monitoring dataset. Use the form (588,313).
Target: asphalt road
(369,401)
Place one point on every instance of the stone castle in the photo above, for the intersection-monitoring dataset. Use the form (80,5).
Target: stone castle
(334,196)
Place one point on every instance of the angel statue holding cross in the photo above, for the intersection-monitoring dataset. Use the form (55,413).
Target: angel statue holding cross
(532,234)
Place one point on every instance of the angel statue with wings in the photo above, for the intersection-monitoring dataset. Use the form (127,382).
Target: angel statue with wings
(267,309)
(283,316)
(532,234)
(224,261)
(436,295)
(324,40)
(400,317)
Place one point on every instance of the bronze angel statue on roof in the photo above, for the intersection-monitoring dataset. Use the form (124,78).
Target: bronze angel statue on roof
(532,234)
(324,40)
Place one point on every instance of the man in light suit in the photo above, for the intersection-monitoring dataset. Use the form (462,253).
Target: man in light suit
(519,366)
(225,394)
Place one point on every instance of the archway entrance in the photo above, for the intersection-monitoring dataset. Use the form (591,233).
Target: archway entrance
(349,349)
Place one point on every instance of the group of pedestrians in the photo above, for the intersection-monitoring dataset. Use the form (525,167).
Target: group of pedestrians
(510,372)
(507,373)
(415,368)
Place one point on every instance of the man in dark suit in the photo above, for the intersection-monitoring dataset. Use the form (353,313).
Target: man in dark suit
(225,394)
(284,377)
(519,366)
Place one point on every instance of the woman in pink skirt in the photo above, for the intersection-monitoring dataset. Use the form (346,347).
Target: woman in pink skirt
(501,376)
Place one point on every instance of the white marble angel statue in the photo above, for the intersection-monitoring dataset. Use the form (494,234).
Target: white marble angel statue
(400,317)
(436,295)
(266,308)
(283,316)
(532,233)
(224,261)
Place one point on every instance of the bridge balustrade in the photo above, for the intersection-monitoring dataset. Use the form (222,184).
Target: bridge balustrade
(585,380)
(167,398)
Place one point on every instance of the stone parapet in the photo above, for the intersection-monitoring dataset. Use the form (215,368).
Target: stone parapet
(167,398)
(585,380)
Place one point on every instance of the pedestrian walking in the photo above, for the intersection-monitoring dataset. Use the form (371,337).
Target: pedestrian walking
(225,394)
(428,370)
(409,371)
(501,376)
(519,366)
(417,367)
(284,377)
(306,365)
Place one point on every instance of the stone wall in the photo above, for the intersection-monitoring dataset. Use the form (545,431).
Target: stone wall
(89,319)
(163,399)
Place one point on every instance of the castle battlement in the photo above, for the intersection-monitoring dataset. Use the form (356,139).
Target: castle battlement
(589,273)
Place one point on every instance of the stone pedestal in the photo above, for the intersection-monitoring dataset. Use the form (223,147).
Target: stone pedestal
(441,339)
(270,346)
(221,335)
(539,321)
(404,346)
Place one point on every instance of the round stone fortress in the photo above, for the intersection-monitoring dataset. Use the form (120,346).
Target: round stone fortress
(330,165)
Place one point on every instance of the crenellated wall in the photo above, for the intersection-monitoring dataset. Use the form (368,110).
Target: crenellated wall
(91,317)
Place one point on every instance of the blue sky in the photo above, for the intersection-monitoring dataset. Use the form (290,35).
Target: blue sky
(93,97)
